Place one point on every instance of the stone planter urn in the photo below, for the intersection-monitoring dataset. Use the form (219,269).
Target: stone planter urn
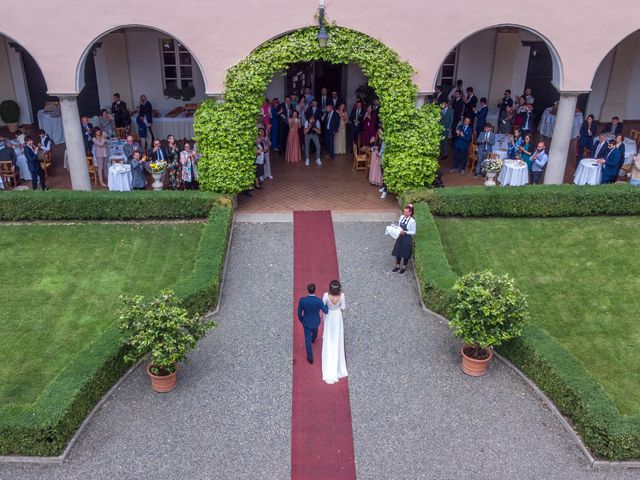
(490,181)
(158,180)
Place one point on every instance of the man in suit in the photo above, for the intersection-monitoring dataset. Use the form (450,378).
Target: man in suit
(453,91)
(481,116)
(287,110)
(87,132)
(130,147)
(461,146)
(507,102)
(614,128)
(470,104)
(457,104)
(610,164)
(120,112)
(539,160)
(331,126)
(8,154)
(527,119)
(158,153)
(145,111)
(446,120)
(600,149)
(335,100)
(324,101)
(356,118)
(313,110)
(309,309)
(485,141)
(31,152)
(438,95)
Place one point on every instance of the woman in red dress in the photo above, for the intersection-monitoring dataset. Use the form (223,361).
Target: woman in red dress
(369,127)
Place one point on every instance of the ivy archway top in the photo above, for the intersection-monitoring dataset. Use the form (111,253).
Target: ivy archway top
(226,131)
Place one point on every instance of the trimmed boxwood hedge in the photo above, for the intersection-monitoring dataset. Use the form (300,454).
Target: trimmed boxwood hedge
(45,427)
(606,432)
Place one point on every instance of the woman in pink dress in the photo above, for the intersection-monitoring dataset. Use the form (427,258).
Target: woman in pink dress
(369,127)
(293,140)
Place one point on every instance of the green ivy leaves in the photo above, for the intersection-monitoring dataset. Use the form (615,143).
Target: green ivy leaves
(226,131)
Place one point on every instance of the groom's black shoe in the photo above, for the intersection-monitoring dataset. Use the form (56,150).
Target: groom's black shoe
(310,360)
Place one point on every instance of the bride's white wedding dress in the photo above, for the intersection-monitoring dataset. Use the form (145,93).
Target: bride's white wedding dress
(334,365)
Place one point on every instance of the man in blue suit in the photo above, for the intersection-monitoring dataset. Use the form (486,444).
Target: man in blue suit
(331,126)
(610,164)
(461,146)
(481,116)
(309,308)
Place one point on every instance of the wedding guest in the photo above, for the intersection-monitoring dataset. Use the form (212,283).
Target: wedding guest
(527,96)
(461,146)
(521,106)
(335,101)
(188,160)
(145,110)
(375,171)
(101,155)
(587,133)
(457,105)
(138,166)
(452,92)
(106,124)
(506,102)
(527,118)
(538,163)
(87,132)
(311,134)
(266,115)
(173,163)
(470,104)
(142,133)
(515,143)
(20,138)
(610,164)
(340,146)
(292,154)
(526,150)
(45,141)
(485,142)
(614,128)
(158,153)
(285,115)
(331,126)
(120,112)
(403,247)
(620,146)
(635,171)
(313,110)
(266,147)
(259,163)
(324,101)
(600,148)
(130,147)
(301,108)
(446,121)
(481,116)
(8,154)
(506,124)
(368,127)
(308,96)
(275,124)
(354,125)
(33,163)
(438,95)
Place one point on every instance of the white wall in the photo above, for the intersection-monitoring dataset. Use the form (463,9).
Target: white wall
(600,86)
(102,74)
(20,86)
(632,107)
(475,62)
(276,87)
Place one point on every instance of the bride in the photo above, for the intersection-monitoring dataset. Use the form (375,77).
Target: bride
(334,365)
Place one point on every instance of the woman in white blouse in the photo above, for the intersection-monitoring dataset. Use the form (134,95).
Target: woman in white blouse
(403,248)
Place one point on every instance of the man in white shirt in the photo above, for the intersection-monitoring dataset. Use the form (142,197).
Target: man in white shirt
(312,134)
(538,162)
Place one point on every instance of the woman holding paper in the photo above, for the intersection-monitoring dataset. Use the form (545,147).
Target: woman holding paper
(403,248)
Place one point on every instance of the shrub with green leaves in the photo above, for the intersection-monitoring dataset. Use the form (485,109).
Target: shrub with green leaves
(487,309)
(162,328)
(226,131)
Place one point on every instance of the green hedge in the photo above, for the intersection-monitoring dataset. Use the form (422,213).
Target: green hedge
(102,205)
(45,427)
(606,432)
(530,201)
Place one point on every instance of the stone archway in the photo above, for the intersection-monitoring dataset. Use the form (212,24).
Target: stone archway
(226,131)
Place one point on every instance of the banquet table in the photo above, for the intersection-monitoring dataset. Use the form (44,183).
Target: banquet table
(589,172)
(513,173)
(180,127)
(51,125)
(548,122)
(119,178)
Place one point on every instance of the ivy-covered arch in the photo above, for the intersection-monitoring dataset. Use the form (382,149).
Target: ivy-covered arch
(226,131)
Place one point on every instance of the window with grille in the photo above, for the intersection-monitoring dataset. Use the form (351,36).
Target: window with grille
(448,69)
(177,65)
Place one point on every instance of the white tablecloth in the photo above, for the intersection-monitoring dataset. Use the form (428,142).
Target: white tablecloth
(179,127)
(119,182)
(589,172)
(116,151)
(513,174)
(548,122)
(51,125)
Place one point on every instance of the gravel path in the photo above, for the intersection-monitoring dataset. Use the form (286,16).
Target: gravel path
(415,414)
(230,417)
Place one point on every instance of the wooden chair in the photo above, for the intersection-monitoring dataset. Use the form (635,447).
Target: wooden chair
(473,157)
(8,172)
(93,172)
(47,163)
(120,132)
(359,159)
(635,136)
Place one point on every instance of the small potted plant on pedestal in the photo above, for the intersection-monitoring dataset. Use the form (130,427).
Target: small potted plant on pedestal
(162,329)
(157,170)
(488,310)
(491,166)
(10,114)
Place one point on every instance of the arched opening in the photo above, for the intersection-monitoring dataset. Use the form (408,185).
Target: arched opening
(226,131)
(493,62)
(29,108)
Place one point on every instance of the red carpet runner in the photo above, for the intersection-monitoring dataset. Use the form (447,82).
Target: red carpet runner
(321,435)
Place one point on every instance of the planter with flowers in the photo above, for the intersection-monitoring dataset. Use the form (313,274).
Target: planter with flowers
(487,310)
(157,170)
(491,166)
(163,330)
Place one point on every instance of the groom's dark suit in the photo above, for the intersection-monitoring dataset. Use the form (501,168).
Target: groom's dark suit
(309,308)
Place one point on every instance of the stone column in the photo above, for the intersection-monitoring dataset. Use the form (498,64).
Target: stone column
(561,138)
(75,143)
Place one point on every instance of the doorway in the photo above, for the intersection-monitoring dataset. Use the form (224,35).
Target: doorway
(315,75)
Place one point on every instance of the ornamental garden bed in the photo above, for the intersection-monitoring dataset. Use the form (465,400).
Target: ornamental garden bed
(58,333)
(580,278)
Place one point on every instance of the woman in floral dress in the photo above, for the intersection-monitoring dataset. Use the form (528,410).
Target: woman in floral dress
(188,160)
(173,163)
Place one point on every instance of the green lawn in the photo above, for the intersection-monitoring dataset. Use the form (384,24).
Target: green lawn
(582,279)
(60,288)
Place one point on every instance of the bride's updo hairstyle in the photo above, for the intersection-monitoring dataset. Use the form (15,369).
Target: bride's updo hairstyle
(335,288)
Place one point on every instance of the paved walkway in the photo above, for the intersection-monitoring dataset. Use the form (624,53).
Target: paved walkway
(415,415)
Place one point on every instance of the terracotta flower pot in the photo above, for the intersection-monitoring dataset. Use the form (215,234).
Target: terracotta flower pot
(162,383)
(473,367)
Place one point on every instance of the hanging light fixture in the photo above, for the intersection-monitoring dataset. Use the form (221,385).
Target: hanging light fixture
(323,36)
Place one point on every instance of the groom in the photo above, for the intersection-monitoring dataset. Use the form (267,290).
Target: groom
(309,308)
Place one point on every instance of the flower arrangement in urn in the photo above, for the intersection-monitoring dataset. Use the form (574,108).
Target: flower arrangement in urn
(491,166)
(159,166)
(488,310)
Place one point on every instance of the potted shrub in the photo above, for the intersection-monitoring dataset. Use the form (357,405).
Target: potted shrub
(162,329)
(188,93)
(487,310)
(10,114)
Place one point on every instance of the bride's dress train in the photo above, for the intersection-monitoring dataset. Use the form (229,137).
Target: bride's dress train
(334,365)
